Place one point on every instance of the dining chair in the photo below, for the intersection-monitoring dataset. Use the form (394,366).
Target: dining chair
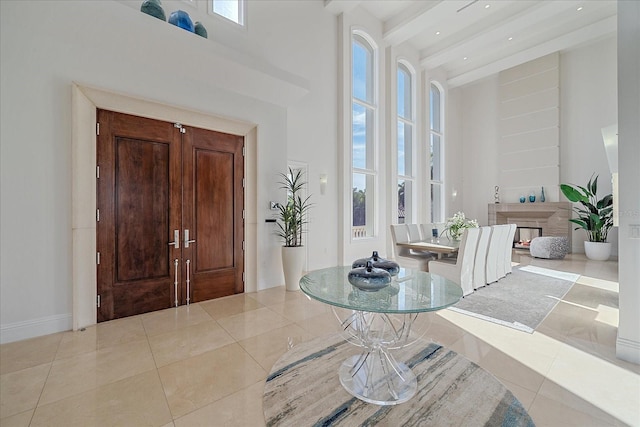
(414,232)
(427,230)
(495,252)
(508,248)
(404,256)
(462,271)
(480,263)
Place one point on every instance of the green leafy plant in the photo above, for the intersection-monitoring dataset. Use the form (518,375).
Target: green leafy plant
(594,216)
(292,216)
(456,225)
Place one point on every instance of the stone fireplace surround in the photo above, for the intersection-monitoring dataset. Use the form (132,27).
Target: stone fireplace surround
(552,217)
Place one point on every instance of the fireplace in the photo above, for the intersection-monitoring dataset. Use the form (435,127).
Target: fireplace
(547,219)
(524,236)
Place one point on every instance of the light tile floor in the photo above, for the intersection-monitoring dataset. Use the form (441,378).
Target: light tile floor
(205,365)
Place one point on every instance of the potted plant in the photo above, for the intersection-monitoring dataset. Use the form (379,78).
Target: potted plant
(594,216)
(456,225)
(292,219)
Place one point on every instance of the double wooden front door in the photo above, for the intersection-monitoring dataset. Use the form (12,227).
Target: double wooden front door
(170,224)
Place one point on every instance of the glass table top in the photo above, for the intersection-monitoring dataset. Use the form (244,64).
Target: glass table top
(411,291)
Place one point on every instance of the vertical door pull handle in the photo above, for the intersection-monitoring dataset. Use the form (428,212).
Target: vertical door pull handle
(186,239)
(188,280)
(176,239)
(175,280)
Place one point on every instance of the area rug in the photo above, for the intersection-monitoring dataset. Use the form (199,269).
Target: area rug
(521,300)
(303,389)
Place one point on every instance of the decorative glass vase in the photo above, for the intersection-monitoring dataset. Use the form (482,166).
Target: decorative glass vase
(542,198)
(378,262)
(369,278)
(532,197)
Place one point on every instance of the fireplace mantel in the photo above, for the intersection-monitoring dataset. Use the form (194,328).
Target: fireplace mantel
(552,217)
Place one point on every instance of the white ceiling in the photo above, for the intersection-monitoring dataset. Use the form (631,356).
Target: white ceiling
(472,39)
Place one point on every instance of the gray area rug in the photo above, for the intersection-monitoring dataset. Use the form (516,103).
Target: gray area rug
(521,300)
(303,389)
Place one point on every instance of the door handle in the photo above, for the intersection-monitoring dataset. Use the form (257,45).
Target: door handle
(186,239)
(176,239)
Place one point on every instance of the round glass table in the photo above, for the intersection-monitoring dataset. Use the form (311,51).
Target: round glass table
(378,322)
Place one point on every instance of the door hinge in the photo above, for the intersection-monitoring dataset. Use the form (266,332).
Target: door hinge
(97,172)
(98,301)
(243,245)
(97,128)
(243,213)
(179,126)
(243,277)
(97,215)
(243,183)
(98,258)
(243,151)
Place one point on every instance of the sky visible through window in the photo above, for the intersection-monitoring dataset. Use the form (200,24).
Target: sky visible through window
(361,91)
(230,9)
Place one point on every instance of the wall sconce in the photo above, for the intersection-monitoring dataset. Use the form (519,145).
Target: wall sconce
(323,183)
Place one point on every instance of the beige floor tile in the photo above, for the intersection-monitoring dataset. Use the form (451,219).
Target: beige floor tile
(267,348)
(120,331)
(200,380)
(135,401)
(228,306)
(251,323)
(187,342)
(613,389)
(555,413)
(74,343)
(84,372)
(20,390)
(241,409)
(511,370)
(324,324)
(301,308)
(276,295)
(22,419)
(172,319)
(28,353)
(471,347)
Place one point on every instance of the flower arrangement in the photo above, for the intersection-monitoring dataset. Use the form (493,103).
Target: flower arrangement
(456,225)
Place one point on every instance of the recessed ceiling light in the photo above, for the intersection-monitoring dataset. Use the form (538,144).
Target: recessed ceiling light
(437,33)
(510,38)
(465,58)
(487,6)
(579,9)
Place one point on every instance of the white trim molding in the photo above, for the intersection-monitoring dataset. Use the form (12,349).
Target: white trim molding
(628,350)
(34,328)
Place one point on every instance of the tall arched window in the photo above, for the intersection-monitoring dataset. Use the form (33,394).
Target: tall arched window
(363,136)
(405,129)
(436,153)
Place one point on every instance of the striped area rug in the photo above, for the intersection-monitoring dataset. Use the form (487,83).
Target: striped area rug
(303,389)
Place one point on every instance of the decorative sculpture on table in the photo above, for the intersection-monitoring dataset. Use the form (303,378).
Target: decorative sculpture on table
(369,278)
(378,262)
(496,195)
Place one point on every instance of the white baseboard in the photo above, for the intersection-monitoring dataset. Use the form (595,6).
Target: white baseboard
(34,328)
(628,350)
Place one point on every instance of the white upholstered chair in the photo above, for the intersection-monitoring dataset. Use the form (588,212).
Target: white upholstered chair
(508,249)
(495,252)
(480,263)
(404,256)
(462,271)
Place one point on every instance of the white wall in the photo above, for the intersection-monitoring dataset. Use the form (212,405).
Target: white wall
(588,86)
(45,46)
(588,102)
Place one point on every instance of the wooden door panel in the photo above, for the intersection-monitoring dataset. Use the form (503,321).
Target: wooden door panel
(214,210)
(214,202)
(139,199)
(142,209)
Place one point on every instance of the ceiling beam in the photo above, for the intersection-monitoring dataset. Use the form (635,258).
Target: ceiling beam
(605,27)
(414,20)
(525,19)
(340,6)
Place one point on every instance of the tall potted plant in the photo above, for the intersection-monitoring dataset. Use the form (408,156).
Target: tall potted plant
(594,216)
(292,219)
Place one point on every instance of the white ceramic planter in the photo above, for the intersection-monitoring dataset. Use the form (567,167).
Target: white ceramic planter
(292,264)
(597,251)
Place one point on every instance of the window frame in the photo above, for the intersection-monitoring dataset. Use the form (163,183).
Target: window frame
(242,14)
(439,216)
(371,167)
(410,197)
